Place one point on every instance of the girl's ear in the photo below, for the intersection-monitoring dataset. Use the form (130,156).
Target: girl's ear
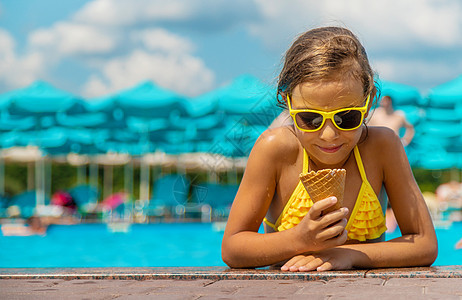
(282,98)
(372,101)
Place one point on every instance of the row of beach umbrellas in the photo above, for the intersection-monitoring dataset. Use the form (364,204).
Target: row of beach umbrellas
(136,121)
(154,126)
(145,125)
(148,119)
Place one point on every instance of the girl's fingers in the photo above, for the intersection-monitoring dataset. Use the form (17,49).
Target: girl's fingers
(337,240)
(324,267)
(302,262)
(317,208)
(311,265)
(333,231)
(333,217)
(291,262)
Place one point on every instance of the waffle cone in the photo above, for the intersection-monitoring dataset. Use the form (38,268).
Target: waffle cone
(325,183)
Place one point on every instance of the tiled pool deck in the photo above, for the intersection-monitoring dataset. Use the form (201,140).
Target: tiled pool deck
(221,282)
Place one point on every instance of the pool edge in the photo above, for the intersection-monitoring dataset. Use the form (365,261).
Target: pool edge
(221,273)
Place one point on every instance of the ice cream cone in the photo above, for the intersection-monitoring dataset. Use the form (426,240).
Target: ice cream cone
(325,183)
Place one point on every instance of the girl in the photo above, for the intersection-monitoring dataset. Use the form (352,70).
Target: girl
(328,87)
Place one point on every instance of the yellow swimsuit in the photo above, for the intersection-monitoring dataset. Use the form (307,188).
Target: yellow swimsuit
(366,220)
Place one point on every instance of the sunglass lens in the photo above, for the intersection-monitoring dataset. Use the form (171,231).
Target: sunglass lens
(348,119)
(309,120)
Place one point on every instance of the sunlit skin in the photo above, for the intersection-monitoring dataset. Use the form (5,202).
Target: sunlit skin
(319,242)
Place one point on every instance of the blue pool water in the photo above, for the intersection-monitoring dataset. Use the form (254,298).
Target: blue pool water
(147,245)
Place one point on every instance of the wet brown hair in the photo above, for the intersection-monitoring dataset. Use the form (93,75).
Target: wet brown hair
(326,53)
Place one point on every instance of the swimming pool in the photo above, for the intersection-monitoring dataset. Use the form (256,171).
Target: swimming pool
(147,245)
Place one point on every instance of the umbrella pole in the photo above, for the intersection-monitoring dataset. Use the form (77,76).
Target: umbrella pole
(39,182)
(108,180)
(128,178)
(128,187)
(30,176)
(48,169)
(81,170)
(455,175)
(94,178)
(144,181)
(2,176)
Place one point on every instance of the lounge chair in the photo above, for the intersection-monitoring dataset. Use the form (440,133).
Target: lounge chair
(218,196)
(86,198)
(169,196)
(4,203)
(26,202)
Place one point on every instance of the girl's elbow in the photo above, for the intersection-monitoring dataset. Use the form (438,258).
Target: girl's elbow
(228,257)
(431,252)
(230,261)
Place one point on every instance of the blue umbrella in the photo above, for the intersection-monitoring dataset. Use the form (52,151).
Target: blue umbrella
(149,100)
(401,94)
(439,137)
(42,99)
(446,95)
(9,123)
(249,100)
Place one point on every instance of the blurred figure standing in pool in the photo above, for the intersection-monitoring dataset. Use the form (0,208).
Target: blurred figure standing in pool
(328,87)
(386,115)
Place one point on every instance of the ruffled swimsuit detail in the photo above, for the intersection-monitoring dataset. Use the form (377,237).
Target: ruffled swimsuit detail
(366,220)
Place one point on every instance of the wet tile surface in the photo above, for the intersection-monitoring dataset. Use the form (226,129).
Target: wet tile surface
(335,288)
(185,273)
(431,272)
(222,273)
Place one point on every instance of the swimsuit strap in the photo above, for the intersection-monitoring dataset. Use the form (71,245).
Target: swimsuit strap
(306,161)
(298,188)
(360,165)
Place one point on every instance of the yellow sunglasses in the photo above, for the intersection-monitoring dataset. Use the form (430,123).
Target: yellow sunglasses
(310,120)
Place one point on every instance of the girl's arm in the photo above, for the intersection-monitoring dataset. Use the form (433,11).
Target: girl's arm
(416,247)
(242,245)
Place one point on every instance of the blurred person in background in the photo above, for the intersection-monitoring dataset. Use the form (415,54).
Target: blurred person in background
(385,115)
(450,193)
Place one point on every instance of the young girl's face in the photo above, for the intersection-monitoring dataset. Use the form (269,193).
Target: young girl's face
(329,147)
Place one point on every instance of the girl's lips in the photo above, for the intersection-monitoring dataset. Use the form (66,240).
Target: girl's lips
(330,149)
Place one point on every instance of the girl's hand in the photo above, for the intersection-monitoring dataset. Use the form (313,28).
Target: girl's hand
(316,232)
(330,259)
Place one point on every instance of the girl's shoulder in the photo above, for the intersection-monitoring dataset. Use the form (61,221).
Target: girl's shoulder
(278,142)
(381,142)
(381,136)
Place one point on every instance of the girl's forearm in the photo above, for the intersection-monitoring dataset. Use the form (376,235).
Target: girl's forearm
(249,249)
(406,251)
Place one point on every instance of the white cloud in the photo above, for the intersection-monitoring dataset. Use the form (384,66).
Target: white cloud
(67,38)
(95,87)
(380,24)
(17,71)
(121,42)
(163,57)
(417,42)
(129,12)
(182,73)
(158,39)
(203,15)
(421,73)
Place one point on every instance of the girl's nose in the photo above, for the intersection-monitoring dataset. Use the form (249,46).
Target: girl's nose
(328,132)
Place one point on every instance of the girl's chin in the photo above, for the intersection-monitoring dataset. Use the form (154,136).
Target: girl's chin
(329,160)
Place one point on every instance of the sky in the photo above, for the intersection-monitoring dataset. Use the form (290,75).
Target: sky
(94,48)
